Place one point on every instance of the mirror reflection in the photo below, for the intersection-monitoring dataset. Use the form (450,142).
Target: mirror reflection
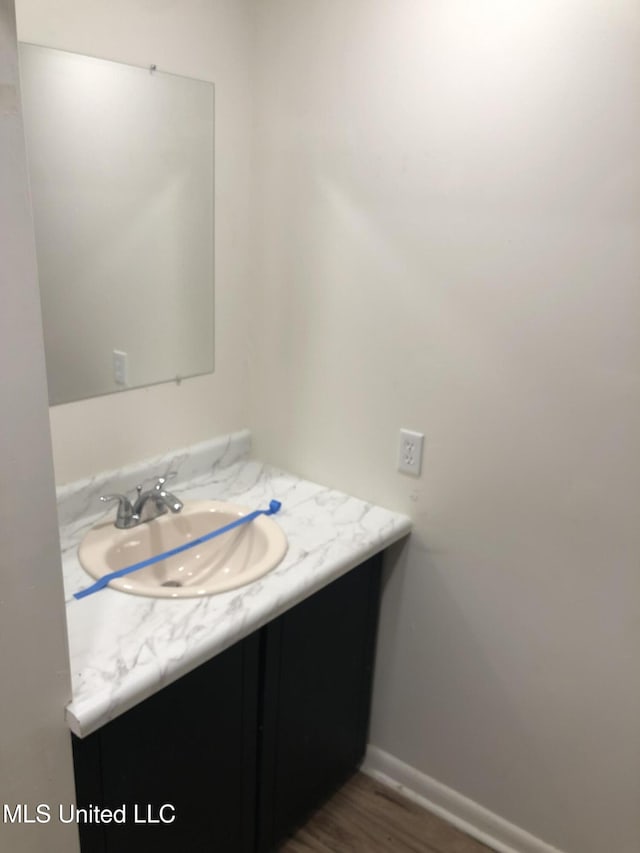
(121,170)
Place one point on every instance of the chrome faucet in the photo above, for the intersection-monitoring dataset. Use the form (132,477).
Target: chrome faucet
(148,505)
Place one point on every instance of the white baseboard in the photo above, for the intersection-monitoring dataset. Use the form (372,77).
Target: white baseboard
(465,814)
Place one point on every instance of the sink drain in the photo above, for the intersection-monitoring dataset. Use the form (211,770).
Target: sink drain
(171,583)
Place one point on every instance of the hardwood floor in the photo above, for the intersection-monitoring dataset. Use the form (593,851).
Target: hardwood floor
(367,817)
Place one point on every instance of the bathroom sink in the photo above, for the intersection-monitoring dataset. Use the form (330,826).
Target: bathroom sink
(230,560)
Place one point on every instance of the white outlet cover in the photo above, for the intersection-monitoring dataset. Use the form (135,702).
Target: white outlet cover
(410,452)
(120,367)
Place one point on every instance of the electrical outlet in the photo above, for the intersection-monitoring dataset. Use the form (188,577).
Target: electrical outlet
(120,367)
(410,455)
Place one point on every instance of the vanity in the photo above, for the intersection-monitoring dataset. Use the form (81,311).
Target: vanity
(220,722)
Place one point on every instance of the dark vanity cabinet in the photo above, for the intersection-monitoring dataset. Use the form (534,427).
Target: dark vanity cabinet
(190,746)
(243,748)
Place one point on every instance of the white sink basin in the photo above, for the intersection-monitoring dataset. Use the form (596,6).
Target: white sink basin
(225,562)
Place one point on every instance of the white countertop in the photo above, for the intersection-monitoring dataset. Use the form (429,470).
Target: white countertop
(123,648)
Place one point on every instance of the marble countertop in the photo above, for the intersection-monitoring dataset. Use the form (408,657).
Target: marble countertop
(124,648)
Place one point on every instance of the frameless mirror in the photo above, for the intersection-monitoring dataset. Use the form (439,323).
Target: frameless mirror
(121,169)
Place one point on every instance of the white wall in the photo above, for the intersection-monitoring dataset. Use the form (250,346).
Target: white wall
(447,232)
(35,746)
(208,41)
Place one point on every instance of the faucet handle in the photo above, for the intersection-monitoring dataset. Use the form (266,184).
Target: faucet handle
(162,480)
(125,510)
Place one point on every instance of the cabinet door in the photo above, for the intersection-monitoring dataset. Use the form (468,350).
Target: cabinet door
(192,746)
(318,662)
